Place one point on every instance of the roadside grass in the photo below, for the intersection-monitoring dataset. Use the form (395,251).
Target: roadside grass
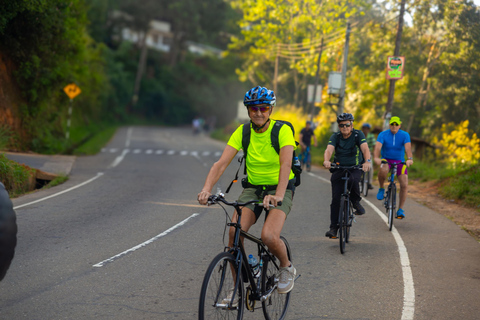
(57,181)
(16,177)
(464,186)
(96,142)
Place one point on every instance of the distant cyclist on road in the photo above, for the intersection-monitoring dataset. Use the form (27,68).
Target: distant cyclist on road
(350,147)
(371,141)
(392,144)
(270,178)
(306,135)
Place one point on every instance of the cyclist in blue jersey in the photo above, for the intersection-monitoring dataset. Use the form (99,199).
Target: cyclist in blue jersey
(391,145)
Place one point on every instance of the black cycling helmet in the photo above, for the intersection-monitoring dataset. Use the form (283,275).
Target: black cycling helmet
(345,117)
(259,95)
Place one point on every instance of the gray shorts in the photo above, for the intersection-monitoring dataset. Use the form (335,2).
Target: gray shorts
(249,194)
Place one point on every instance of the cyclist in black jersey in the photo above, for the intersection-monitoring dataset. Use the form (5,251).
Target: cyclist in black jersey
(350,148)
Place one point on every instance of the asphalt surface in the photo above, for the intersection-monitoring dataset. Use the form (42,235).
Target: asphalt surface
(124,238)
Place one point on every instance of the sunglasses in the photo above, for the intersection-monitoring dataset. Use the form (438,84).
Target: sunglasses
(394,124)
(262,109)
(344,125)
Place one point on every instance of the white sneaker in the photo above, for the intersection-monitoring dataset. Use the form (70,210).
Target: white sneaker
(287,279)
(228,299)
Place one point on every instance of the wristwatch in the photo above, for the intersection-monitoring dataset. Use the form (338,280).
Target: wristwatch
(410,158)
(369,160)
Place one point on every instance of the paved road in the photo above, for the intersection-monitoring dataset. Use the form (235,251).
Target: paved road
(124,238)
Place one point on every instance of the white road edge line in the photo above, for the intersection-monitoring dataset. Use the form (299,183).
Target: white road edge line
(408,311)
(119,159)
(61,192)
(101,264)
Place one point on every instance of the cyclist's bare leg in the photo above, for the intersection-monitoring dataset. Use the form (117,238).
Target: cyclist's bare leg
(382,174)
(403,179)
(248,219)
(271,236)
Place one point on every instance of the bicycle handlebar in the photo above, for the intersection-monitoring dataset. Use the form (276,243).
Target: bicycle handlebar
(214,198)
(334,165)
(394,164)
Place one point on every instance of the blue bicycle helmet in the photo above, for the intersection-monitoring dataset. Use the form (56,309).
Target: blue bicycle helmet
(366,125)
(345,117)
(259,95)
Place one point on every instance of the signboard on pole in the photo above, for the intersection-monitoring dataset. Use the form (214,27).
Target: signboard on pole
(318,93)
(334,82)
(395,67)
(72,90)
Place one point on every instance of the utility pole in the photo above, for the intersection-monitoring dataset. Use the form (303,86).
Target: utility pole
(391,90)
(341,102)
(312,107)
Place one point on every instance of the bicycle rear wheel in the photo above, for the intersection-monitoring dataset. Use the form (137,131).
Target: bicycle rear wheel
(342,225)
(275,307)
(217,284)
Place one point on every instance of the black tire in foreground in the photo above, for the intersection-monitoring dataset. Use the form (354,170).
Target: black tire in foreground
(219,280)
(8,231)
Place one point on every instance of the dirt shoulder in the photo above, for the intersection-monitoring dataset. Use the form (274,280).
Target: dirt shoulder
(427,194)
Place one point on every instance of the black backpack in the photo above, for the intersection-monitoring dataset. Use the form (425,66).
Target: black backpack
(296,166)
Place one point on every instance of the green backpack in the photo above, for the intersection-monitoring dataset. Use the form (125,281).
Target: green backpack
(296,166)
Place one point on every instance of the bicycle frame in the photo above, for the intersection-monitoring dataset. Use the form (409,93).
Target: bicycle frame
(241,259)
(391,193)
(345,222)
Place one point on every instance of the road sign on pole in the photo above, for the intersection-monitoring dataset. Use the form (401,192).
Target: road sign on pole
(395,67)
(72,90)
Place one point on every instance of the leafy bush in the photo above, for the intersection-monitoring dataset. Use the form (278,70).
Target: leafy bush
(459,145)
(16,177)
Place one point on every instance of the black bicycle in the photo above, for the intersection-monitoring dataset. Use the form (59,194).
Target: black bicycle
(345,216)
(390,199)
(223,296)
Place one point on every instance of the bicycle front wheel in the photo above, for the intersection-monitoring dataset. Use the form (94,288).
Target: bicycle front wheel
(342,223)
(276,305)
(348,220)
(218,283)
(365,183)
(392,193)
(361,183)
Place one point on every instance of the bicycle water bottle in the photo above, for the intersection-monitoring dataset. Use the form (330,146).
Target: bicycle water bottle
(252,261)
(296,162)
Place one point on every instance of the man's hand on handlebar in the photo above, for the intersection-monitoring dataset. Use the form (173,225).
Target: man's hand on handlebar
(203,197)
(327,164)
(271,200)
(366,166)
